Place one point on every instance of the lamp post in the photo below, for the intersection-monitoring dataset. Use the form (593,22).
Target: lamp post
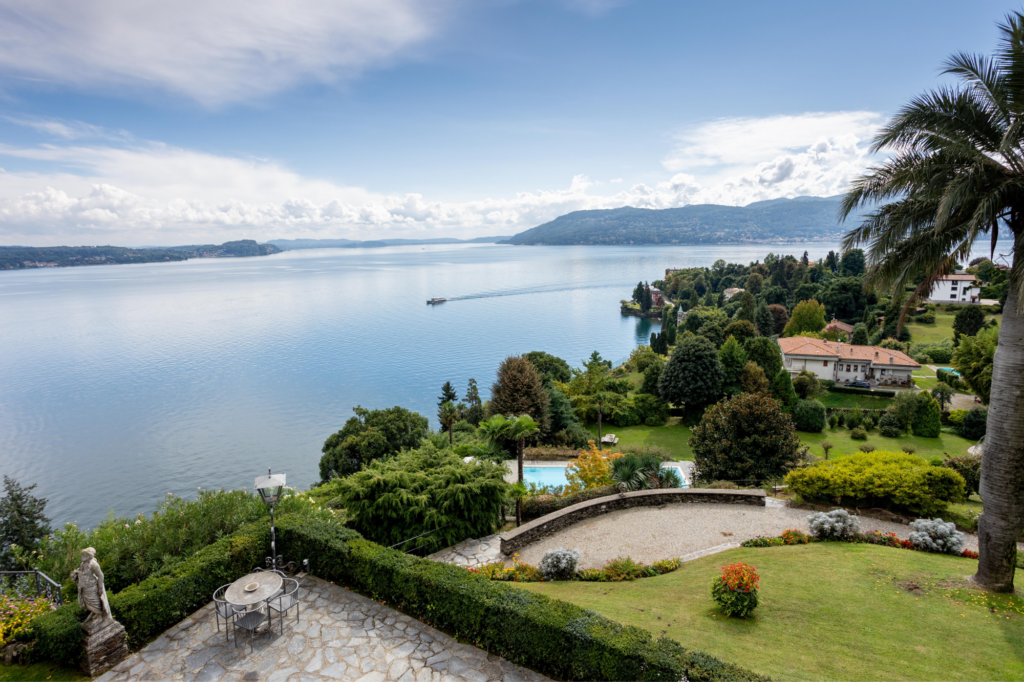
(269,487)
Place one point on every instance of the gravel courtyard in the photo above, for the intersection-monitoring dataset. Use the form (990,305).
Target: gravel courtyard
(682,530)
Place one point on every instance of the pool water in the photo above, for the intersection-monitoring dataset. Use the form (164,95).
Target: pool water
(555,475)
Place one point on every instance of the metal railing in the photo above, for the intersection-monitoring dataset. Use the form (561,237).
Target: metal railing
(45,585)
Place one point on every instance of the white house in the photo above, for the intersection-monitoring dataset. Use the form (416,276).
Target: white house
(955,289)
(841,362)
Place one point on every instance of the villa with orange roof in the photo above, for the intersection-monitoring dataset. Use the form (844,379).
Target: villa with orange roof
(841,362)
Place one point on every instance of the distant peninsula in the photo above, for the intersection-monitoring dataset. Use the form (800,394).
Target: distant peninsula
(777,220)
(22,257)
(289,244)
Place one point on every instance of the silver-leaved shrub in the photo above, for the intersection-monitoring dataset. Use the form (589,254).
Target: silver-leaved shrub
(936,536)
(559,564)
(834,525)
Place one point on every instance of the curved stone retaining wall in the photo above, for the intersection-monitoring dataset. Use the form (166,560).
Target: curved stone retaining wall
(530,532)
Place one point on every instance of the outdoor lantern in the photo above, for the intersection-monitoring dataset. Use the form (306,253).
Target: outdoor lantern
(269,487)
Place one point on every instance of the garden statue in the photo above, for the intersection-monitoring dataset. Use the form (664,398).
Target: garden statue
(105,642)
(92,595)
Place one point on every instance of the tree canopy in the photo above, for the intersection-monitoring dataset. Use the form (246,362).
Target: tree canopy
(693,375)
(370,435)
(808,316)
(518,390)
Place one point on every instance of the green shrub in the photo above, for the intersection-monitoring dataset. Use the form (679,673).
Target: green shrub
(542,505)
(833,421)
(866,447)
(420,491)
(868,423)
(854,418)
(968,466)
(551,636)
(940,354)
(809,416)
(735,591)
(889,425)
(859,434)
(974,424)
(57,635)
(956,417)
(889,480)
(909,448)
(928,417)
(927,318)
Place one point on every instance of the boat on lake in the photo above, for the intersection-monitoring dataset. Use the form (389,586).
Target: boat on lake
(436,300)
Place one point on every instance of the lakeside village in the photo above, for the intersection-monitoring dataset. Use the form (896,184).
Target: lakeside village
(836,456)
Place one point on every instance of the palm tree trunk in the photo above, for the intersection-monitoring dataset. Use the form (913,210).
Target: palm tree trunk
(520,449)
(600,405)
(1002,460)
(450,435)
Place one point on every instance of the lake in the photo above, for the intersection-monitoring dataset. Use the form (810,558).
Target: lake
(119,384)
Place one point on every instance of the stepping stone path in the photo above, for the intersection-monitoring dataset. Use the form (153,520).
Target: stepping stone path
(471,553)
(340,636)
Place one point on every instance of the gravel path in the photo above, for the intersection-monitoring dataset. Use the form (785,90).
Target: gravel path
(649,534)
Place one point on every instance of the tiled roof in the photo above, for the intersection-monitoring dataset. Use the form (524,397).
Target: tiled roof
(841,326)
(802,345)
(958,278)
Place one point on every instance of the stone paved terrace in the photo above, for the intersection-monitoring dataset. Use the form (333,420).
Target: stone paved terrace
(341,636)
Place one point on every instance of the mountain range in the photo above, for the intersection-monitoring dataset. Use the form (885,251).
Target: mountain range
(777,220)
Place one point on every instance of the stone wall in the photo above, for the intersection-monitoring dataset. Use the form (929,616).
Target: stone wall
(547,525)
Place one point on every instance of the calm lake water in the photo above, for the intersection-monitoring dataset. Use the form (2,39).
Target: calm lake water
(119,384)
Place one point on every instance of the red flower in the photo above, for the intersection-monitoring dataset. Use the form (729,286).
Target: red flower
(741,577)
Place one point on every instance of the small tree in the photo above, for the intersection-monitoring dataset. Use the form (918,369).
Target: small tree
(748,307)
(928,416)
(903,408)
(783,391)
(781,317)
(753,380)
(809,416)
(693,375)
(943,393)
(806,384)
(474,413)
(764,320)
(22,521)
(370,435)
(765,353)
(745,438)
(651,376)
(974,358)
(808,316)
(860,334)
(968,321)
(741,330)
(826,445)
(733,359)
(448,415)
(754,283)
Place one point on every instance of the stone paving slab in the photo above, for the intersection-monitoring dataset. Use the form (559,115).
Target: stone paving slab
(471,553)
(339,636)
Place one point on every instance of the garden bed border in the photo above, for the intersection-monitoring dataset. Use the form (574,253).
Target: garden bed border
(549,524)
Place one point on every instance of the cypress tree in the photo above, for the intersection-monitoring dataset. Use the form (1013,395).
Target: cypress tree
(764,320)
(783,391)
(670,332)
(518,390)
(647,301)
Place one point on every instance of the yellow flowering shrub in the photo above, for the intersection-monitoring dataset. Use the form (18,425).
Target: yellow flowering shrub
(17,613)
(591,469)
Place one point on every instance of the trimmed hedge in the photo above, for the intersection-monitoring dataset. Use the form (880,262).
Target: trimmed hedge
(862,391)
(889,480)
(551,636)
(148,608)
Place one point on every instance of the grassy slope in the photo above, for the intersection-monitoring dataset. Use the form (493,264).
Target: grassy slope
(941,329)
(673,436)
(828,612)
(928,448)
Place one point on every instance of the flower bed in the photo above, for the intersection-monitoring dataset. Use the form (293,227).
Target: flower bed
(790,537)
(16,613)
(616,570)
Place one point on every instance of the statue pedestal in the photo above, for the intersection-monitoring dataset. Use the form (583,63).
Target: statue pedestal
(104,648)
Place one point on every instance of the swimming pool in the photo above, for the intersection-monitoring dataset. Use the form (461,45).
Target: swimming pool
(555,475)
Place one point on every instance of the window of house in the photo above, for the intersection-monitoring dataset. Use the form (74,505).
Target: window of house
(953,295)
(825,363)
(847,368)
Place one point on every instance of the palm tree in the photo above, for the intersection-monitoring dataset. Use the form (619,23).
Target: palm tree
(448,415)
(515,429)
(956,173)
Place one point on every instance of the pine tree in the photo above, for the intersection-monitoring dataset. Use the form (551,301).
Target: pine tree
(669,331)
(22,521)
(748,307)
(448,394)
(783,391)
(805,259)
(647,302)
(832,261)
(638,292)
(764,320)
(519,390)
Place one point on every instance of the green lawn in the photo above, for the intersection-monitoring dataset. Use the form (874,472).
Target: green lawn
(829,611)
(39,671)
(871,402)
(929,448)
(674,437)
(941,329)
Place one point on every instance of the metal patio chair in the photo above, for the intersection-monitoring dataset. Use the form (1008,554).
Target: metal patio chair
(224,610)
(249,622)
(285,600)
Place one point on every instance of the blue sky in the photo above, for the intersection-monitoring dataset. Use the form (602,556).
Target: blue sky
(134,122)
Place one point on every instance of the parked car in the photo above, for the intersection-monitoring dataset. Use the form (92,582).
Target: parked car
(859,384)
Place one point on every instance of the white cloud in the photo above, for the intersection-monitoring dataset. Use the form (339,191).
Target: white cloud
(213,52)
(151,193)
